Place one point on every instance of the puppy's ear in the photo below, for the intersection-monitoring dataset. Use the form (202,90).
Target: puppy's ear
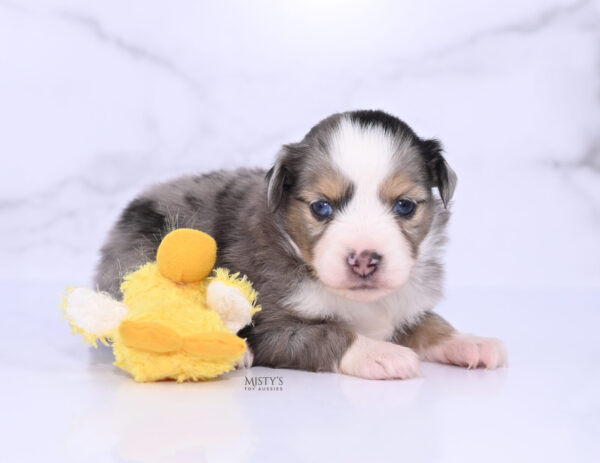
(282,176)
(442,175)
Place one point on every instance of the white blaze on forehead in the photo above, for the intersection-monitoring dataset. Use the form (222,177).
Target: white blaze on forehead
(363,154)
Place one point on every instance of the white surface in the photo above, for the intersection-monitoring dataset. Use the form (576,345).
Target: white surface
(62,401)
(100,98)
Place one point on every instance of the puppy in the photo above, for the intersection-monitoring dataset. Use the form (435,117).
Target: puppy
(342,238)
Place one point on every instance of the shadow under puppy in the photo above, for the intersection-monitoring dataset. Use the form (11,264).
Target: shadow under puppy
(342,238)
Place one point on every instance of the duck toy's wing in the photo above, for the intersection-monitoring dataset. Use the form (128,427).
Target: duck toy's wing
(233,298)
(94,315)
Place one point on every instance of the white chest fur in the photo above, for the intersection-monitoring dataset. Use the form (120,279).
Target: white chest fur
(376,320)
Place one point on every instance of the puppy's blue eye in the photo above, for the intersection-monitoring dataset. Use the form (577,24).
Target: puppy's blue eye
(404,207)
(321,209)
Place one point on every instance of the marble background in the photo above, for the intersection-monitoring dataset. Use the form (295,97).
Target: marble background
(98,99)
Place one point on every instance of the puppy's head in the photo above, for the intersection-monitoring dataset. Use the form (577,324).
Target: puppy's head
(355,197)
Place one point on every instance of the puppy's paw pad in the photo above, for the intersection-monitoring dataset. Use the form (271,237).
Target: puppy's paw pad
(469,351)
(371,359)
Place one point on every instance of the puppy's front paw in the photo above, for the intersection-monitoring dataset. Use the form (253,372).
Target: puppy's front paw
(370,359)
(468,351)
(246,361)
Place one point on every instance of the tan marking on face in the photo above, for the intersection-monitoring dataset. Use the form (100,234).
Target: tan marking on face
(329,185)
(305,229)
(402,186)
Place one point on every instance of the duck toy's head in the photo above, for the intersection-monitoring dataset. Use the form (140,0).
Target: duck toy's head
(178,318)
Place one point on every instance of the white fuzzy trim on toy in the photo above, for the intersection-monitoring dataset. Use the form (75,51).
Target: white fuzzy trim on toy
(230,303)
(94,315)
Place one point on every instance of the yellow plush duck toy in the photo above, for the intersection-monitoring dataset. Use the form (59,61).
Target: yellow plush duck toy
(175,322)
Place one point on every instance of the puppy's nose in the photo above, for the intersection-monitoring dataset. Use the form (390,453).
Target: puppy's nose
(365,263)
